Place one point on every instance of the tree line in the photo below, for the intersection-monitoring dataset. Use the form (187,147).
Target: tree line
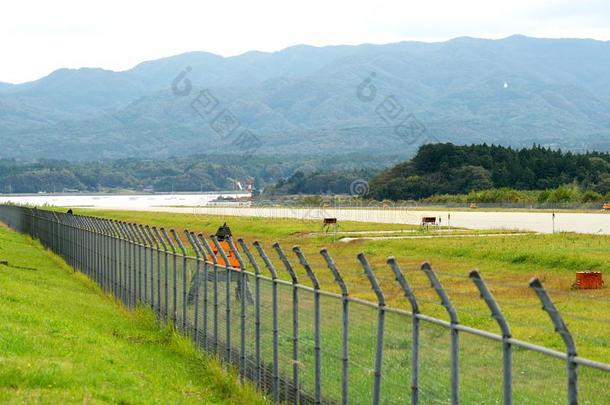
(194,173)
(446,169)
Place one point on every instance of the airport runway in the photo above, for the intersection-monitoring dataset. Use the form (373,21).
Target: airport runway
(543,222)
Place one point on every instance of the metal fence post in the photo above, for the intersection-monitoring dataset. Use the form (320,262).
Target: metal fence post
(165,286)
(228,319)
(137,272)
(101,246)
(496,313)
(174,272)
(184,276)
(562,329)
(257,312)
(446,302)
(193,293)
(406,288)
(345,326)
(276,337)
(103,224)
(295,320)
(141,262)
(125,264)
(148,246)
(215,304)
(380,326)
(132,264)
(316,323)
(117,259)
(156,247)
(244,298)
(203,258)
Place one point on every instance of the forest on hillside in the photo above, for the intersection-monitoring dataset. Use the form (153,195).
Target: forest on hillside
(195,173)
(448,169)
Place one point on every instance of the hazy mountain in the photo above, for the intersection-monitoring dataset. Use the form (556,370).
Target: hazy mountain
(514,91)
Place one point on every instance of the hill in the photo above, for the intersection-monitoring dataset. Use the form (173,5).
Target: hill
(513,92)
(450,169)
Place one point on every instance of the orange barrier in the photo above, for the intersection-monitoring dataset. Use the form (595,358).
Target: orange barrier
(589,280)
(222,234)
(227,249)
(606,206)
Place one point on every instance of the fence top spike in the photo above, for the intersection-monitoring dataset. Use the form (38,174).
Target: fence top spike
(474,274)
(208,248)
(152,236)
(189,237)
(263,255)
(107,227)
(372,278)
(493,306)
(335,271)
(310,273)
(177,238)
(143,232)
(551,310)
(160,238)
(136,234)
(139,235)
(116,228)
(286,262)
(198,244)
(128,235)
(236,253)
(250,256)
(535,283)
(168,240)
(221,251)
(404,284)
(440,291)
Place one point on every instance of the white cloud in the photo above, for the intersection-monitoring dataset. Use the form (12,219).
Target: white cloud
(37,37)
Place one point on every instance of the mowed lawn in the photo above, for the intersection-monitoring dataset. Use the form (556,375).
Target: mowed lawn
(62,340)
(507,263)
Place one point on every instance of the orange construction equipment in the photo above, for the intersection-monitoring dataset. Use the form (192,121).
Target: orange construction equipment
(589,280)
(222,234)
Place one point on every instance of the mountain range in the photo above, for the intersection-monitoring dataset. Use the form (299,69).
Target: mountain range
(334,100)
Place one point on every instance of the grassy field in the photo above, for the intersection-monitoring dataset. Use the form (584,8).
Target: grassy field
(506,263)
(63,341)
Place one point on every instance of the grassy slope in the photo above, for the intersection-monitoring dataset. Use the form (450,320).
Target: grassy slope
(507,264)
(63,340)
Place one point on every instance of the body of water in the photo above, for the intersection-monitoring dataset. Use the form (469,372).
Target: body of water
(121,201)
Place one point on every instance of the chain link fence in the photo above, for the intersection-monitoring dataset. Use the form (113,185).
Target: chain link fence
(301,344)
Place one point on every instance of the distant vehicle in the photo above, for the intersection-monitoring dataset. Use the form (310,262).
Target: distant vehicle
(606,207)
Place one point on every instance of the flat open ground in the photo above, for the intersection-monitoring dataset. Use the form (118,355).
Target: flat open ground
(506,263)
(62,340)
(535,221)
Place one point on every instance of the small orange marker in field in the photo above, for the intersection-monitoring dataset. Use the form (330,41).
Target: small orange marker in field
(587,280)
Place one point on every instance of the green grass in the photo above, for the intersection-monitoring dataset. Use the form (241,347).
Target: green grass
(506,263)
(62,340)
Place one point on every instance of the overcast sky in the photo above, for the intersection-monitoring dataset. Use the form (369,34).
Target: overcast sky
(37,37)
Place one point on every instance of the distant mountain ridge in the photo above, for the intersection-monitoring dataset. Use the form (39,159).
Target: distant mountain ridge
(514,91)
